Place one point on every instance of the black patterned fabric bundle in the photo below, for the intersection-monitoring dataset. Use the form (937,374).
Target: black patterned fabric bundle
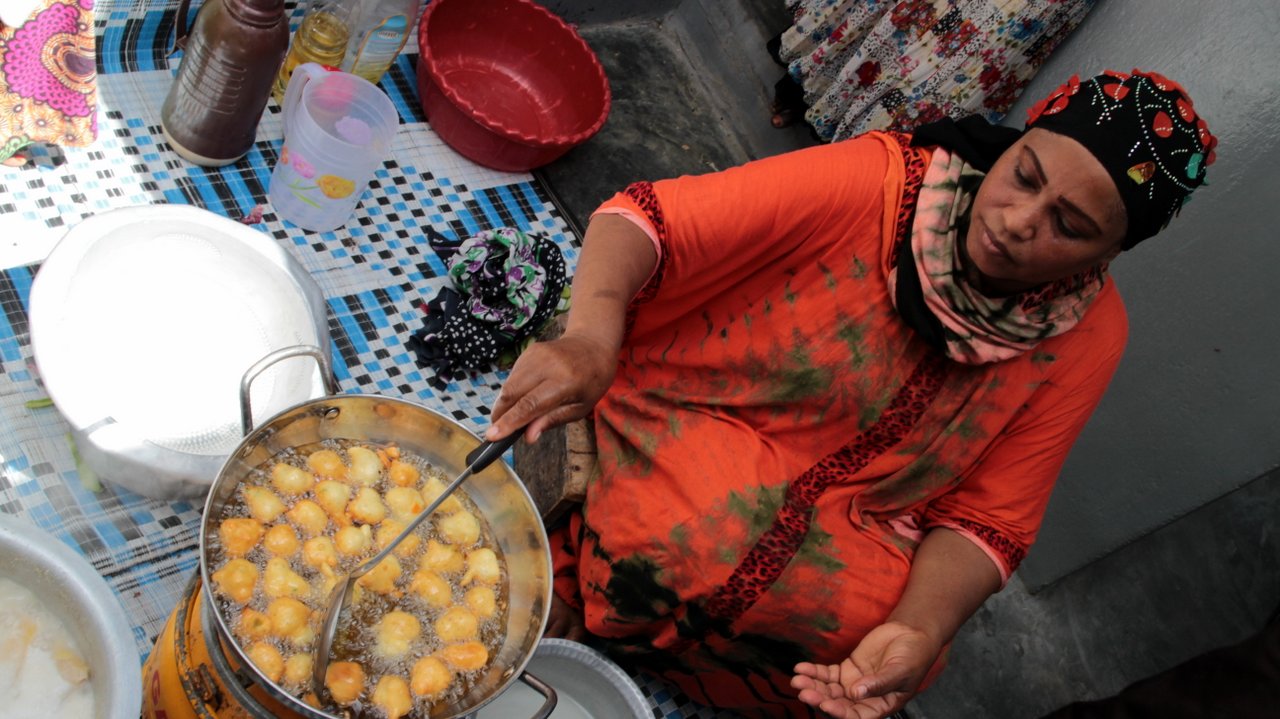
(506,285)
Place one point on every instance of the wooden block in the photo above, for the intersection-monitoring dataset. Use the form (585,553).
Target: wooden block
(557,468)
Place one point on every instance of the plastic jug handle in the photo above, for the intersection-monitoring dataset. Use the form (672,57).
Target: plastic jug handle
(302,74)
(180,28)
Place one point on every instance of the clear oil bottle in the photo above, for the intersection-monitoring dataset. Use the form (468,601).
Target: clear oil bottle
(379,31)
(322,37)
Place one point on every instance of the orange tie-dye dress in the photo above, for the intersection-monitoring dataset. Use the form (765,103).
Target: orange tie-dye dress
(777,440)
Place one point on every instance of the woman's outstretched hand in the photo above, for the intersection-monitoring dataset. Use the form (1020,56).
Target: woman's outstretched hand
(553,383)
(884,671)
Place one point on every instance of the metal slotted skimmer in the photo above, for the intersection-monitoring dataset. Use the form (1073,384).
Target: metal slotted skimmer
(144,320)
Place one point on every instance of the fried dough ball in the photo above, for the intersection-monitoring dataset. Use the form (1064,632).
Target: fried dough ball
(460,528)
(382,578)
(434,488)
(326,463)
(353,541)
(391,695)
(290,480)
(432,588)
(395,633)
(236,580)
(309,517)
(405,503)
(482,566)
(288,615)
(457,624)
(303,637)
(345,681)
(482,601)
(281,581)
(281,541)
(267,659)
(319,552)
(442,558)
(403,474)
(239,535)
(367,507)
(429,677)
(466,657)
(333,496)
(253,624)
(389,530)
(297,670)
(366,466)
(263,504)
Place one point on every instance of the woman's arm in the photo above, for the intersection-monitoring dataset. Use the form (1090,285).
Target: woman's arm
(950,578)
(561,380)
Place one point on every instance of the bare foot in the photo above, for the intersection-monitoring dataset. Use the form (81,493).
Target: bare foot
(564,621)
(15,161)
(785,117)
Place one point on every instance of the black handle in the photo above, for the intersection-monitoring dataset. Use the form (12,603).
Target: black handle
(180,28)
(483,456)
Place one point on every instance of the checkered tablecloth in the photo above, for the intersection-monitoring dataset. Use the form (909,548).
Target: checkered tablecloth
(374,272)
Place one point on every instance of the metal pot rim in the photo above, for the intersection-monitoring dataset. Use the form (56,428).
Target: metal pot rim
(224,631)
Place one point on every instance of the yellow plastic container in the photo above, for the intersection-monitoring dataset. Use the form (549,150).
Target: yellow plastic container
(180,679)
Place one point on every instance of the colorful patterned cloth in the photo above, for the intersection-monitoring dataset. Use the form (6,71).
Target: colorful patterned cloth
(777,439)
(894,64)
(47,78)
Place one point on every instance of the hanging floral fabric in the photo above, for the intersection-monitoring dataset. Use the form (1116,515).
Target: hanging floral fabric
(896,64)
(47,75)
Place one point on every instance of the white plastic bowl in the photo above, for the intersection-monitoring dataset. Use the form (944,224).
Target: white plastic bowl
(588,686)
(71,589)
(143,321)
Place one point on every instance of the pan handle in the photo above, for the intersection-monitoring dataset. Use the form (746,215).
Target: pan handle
(541,687)
(326,376)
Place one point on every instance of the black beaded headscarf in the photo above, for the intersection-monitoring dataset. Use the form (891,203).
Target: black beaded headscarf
(1144,130)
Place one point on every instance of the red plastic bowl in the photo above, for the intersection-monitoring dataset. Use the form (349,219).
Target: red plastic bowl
(506,83)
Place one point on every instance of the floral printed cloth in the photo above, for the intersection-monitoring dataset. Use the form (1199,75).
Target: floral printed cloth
(507,284)
(47,77)
(895,64)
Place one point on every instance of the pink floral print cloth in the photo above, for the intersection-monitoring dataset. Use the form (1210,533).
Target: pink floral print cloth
(47,78)
(897,64)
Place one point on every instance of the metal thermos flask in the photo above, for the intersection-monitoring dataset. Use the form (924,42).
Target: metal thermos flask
(231,56)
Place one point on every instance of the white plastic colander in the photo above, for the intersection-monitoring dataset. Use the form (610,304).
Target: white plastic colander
(143,322)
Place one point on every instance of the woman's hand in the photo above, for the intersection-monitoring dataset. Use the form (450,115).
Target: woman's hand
(553,383)
(564,622)
(884,671)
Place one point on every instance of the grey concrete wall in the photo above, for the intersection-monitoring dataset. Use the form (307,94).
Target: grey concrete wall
(1194,410)
(599,11)
(727,40)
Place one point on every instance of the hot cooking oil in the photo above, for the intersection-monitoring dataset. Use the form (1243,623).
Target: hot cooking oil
(321,38)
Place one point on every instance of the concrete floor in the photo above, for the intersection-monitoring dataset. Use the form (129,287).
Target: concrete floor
(1207,580)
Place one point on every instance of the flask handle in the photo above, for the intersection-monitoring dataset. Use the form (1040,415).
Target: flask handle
(302,74)
(180,28)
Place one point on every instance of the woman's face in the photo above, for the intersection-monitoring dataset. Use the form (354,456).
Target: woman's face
(1047,210)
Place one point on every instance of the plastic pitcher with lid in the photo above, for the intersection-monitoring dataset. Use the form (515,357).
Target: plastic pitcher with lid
(338,130)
